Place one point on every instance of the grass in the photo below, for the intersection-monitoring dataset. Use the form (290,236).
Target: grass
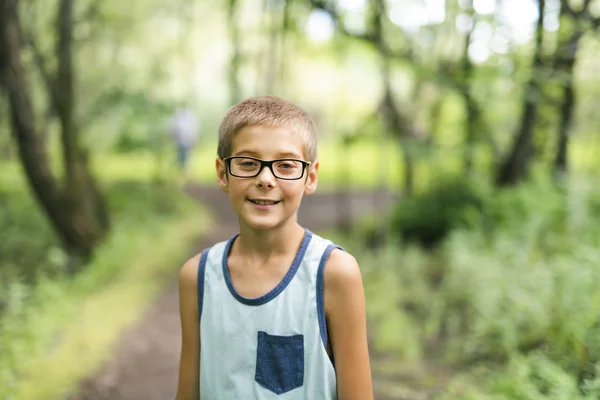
(59,330)
(94,317)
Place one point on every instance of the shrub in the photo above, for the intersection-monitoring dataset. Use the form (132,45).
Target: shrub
(429,217)
(52,310)
(517,302)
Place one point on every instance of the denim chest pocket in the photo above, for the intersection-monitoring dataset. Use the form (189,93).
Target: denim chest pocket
(280,362)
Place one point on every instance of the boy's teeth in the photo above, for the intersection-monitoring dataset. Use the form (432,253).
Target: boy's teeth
(262,202)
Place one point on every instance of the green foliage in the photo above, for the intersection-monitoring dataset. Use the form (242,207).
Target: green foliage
(511,296)
(524,377)
(394,315)
(538,203)
(429,217)
(143,121)
(533,377)
(30,246)
(27,239)
(40,305)
(532,282)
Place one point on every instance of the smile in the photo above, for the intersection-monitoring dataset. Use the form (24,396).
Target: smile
(263,202)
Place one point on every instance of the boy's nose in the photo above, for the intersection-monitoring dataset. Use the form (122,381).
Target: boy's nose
(266,177)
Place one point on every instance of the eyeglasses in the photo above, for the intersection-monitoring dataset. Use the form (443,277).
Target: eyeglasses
(289,169)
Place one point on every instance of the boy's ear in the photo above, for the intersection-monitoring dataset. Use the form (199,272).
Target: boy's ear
(222,175)
(312,179)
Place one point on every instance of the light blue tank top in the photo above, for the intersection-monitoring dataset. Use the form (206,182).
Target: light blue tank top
(269,347)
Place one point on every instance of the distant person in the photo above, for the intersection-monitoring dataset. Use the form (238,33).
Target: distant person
(276,311)
(184,129)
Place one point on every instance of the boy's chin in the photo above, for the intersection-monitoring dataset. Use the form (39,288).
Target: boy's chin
(264,223)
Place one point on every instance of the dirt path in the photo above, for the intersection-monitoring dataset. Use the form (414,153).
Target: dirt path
(145,364)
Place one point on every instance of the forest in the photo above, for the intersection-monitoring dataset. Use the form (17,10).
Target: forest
(478,117)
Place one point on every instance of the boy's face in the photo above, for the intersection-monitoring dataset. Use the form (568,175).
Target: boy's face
(266,144)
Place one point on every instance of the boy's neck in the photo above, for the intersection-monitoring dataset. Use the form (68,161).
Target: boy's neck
(282,240)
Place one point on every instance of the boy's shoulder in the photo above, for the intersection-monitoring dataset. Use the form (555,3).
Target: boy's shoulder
(189,270)
(341,269)
(341,262)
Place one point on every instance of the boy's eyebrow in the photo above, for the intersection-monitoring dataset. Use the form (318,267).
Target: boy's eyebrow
(246,153)
(251,153)
(289,155)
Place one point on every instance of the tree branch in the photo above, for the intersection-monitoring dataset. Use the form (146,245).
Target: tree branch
(582,15)
(566,7)
(571,12)
(366,37)
(90,13)
(441,76)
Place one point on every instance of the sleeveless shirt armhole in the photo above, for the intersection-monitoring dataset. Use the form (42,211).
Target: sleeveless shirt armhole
(321,292)
(201,269)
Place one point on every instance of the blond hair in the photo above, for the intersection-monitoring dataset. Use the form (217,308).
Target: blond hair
(268,111)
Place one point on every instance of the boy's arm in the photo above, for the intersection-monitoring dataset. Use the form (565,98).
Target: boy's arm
(188,387)
(347,327)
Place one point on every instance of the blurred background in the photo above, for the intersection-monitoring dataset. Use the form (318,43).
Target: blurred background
(477,117)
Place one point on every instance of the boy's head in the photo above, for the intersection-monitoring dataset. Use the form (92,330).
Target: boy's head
(272,112)
(267,160)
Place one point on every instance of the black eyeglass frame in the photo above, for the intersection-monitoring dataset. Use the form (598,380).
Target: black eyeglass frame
(263,164)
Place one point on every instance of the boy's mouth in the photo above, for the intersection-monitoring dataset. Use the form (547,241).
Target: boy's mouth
(263,202)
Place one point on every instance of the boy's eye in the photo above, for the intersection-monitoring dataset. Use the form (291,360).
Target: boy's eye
(247,163)
(287,165)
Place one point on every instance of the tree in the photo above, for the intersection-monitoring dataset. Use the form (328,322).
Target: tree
(515,166)
(564,64)
(235,89)
(73,202)
(397,125)
(472,109)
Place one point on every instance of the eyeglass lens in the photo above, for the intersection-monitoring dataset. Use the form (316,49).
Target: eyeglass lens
(249,167)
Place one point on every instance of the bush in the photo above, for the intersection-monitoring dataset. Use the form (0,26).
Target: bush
(27,242)
(530,210)
(524,377)
(517,302)
(429,217)
(53,310)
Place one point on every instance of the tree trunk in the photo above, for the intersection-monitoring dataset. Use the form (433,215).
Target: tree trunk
(234,33)
(262,51)
(66,95)
(285,52)
(516,166)
(560,163)
(272,56)
(568,103)
(472,114)
(394,121)
(564,64)
(398,127)
(409,170)
(76,210)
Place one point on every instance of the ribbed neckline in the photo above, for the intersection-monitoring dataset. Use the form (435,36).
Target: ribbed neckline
(280,286)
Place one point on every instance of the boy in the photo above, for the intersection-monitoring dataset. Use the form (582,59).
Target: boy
(275,312)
